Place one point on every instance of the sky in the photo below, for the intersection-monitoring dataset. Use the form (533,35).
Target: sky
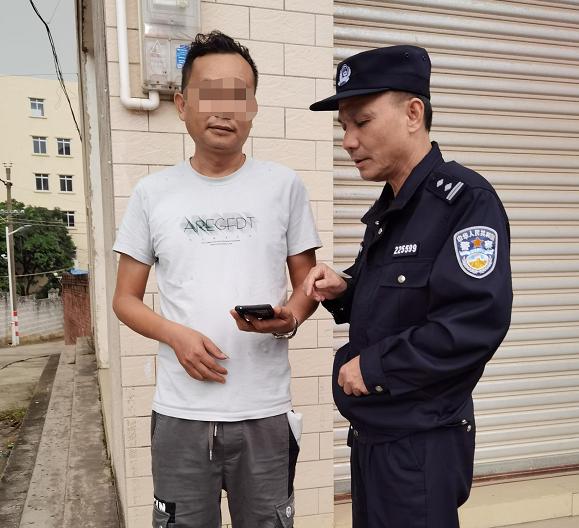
(24,45)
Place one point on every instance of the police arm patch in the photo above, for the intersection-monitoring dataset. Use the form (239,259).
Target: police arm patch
(476,250)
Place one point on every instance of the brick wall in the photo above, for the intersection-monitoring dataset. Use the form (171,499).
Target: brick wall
(76,304)
(292,44)
(38,319)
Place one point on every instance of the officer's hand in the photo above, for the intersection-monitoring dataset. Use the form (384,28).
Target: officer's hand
(282,322)
(350,378)
(197,354)
(324,283)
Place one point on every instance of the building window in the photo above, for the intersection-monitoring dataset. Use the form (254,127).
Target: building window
(63,146)
(36,107)
(41,181)
(68,218)
(39,144)
(65,183)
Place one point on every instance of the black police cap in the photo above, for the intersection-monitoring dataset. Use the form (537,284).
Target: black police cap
(401,68)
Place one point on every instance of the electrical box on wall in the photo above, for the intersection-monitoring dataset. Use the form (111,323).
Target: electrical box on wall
(167,29)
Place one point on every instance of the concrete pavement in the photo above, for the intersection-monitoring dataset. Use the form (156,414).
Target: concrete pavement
(566,522)
(551,501)
(63,479)
(20,370)
(343,519)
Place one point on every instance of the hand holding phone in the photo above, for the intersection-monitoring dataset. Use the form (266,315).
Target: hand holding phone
(265,319)
(259,311)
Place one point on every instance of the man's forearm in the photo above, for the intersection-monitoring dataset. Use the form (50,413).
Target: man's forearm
(140,318)
(301,306)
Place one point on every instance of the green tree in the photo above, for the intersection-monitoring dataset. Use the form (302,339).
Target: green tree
(44,246)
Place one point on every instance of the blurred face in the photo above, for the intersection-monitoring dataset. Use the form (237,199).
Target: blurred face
(377,134)
(219,103)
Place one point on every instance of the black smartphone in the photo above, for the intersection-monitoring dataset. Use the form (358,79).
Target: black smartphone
(259,311)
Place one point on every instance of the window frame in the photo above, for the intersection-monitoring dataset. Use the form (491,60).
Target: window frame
(44,178)
(65,179)
(39,102)
(40,140)
(67,217)
(66,142)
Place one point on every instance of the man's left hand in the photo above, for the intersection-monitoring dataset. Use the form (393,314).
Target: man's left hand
(282,322)
(350,378)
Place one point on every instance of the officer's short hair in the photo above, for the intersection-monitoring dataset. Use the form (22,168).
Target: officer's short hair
(404,96)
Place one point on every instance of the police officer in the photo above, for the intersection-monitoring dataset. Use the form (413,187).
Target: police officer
(428,299)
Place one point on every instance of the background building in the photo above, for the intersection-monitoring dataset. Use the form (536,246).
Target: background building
(38,136)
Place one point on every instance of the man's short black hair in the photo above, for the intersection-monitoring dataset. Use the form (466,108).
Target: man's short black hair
(214,42)
(427,111)
(404,96)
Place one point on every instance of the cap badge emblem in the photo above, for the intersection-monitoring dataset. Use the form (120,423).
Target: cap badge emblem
(344,76)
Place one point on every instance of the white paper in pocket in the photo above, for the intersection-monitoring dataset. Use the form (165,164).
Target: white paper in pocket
(296,422)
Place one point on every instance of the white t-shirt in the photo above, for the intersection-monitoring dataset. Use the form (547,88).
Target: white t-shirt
(217,243)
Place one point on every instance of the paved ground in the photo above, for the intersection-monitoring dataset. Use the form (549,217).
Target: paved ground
(566,522)
(58,475)
(20,370)
(343,519)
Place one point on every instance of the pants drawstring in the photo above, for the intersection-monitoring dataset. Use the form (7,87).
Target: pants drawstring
(212,435)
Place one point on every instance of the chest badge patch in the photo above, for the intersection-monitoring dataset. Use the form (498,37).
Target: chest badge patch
(476,250)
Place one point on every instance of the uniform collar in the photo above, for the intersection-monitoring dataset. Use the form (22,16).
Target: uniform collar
(387,203)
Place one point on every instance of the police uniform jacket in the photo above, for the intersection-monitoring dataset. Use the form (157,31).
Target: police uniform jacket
(428,302)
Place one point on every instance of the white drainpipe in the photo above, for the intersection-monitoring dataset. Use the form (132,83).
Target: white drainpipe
(132,103)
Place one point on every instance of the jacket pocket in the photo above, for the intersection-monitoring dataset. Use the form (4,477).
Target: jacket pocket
(343,355)
(285,513)
(161,519)
(406,274)
(404,292)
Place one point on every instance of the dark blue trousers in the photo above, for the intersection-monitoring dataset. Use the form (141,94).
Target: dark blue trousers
(417,481)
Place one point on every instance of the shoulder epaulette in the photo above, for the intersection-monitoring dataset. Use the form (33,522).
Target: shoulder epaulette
(447,187)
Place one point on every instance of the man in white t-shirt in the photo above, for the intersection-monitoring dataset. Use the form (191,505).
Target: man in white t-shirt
(219,229)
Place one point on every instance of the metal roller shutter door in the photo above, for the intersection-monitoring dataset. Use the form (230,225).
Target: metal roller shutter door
(505,90)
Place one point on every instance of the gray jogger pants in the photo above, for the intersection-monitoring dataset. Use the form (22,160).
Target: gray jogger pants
(253,460)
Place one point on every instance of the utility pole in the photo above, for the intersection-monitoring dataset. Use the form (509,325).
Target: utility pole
(12,285)
(10,255)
